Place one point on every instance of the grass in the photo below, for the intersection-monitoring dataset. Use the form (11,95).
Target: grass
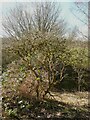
(64,106)
(75,99)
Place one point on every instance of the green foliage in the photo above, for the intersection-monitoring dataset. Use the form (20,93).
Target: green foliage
(79,57)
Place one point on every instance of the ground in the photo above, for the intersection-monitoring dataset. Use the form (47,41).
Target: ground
(63,106)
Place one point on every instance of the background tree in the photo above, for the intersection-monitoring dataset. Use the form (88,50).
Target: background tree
(46,18)
(79,61)
(17,23)
(81,9)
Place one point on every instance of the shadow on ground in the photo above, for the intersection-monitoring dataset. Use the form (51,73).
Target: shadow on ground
(52,110)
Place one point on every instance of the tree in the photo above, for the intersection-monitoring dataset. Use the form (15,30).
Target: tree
(46,58)
(17,23)
(81,9)
(45,18)
(79,61)
(73,34)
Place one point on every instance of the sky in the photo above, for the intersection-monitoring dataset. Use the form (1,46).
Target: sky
(66,6)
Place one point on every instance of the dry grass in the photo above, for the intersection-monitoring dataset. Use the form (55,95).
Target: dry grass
(76,99)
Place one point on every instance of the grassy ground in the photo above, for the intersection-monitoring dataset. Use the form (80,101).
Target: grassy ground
(76,99)
(64,106)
